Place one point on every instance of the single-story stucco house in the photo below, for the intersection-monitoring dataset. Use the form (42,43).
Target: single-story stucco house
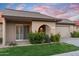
(15,25)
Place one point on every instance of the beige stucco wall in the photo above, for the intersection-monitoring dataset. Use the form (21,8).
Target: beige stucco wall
(76,28)
(72,28)
(1,30)
(11,33)
(51,25)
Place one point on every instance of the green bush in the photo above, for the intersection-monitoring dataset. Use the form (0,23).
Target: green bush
(0,40)
(31,37)
(55,38)
(37,37)
(75,34)
(72,34)
(41,37)
(52,38)
(46,39)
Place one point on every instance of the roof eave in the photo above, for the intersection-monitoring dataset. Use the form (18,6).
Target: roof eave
(28,18)
(67,23)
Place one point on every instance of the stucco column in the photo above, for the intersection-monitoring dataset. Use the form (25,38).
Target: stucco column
(75,28)
(35,26)
(71,28)
(4,32)
(53,30)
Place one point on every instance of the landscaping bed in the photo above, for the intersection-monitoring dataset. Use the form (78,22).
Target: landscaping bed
(38,49)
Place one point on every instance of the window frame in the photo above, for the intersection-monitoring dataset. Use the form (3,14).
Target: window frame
(19,31)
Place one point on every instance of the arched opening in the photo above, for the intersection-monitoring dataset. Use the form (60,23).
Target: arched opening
(42,28)
(45,29)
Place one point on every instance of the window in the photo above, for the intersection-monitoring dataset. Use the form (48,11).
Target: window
(22,31)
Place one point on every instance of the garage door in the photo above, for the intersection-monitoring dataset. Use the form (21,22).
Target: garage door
(63,31)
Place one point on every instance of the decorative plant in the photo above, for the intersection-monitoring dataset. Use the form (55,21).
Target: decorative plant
(52,38)
(75,34)
(36,38)
(47,38)
(55,38)
(41,37)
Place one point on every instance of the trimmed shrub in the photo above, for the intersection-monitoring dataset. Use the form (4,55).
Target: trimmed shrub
(46,39)
(75,34)
(52,38)
(37,37)
(41,37)
(72,34)
(55,38)
(31,37)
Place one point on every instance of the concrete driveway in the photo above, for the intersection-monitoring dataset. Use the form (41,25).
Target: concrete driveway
(74,41)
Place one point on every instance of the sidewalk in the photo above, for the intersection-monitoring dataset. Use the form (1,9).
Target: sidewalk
(73,53)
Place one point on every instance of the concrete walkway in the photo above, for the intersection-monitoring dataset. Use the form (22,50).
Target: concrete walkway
(73,41)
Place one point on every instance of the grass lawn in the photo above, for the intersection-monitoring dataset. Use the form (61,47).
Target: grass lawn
(38,50)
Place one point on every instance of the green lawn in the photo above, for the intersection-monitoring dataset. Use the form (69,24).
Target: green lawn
(38,50)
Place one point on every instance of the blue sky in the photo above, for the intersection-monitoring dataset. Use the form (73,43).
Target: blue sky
(60,10)
(30,5)
(2,6)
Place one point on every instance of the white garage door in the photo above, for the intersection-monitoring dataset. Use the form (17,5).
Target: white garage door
(63,31)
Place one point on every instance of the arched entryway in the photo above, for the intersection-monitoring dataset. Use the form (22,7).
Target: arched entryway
(44,28)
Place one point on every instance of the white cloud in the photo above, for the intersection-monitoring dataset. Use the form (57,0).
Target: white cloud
(9,6)
(20,7)
(74,18)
